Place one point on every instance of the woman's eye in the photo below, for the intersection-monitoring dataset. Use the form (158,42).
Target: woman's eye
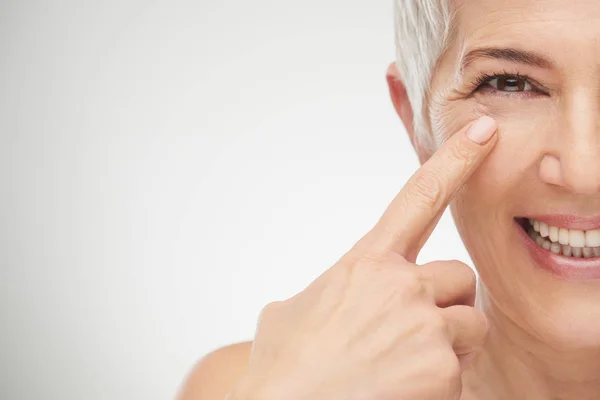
(510,84)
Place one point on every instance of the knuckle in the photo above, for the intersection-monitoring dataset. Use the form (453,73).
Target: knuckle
(409,283)
(391,260)
(389,274)
(438,323)
(377,261)
(466,273)
(471,281)
(429,189)
(434,326)
(469,273)
(361,266)
(374,258)
(461,265)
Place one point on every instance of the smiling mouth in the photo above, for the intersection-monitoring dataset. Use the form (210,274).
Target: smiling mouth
(571,243)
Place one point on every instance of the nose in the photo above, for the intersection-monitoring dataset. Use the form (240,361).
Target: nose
(579,153)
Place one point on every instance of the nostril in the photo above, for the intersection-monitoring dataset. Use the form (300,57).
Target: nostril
(550,171)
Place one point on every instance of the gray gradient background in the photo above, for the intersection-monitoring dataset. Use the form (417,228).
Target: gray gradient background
(169,167)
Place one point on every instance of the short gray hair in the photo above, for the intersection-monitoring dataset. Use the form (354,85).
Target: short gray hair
(423,29)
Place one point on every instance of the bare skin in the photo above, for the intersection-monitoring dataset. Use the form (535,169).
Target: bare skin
(217,373)
(375,325)
(544,332)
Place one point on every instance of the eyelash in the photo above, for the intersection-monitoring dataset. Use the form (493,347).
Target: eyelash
(480,82)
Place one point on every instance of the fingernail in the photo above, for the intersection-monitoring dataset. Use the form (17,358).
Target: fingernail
(482,130)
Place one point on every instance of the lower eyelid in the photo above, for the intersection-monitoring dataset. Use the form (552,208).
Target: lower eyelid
(525,94)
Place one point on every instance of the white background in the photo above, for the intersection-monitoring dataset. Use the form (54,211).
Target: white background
(169,167)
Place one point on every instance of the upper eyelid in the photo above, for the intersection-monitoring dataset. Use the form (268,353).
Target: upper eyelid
(476,69)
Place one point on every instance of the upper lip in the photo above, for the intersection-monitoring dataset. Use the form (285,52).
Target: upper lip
(569,221)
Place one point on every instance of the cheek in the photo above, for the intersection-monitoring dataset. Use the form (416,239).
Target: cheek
(525,132)
(485,206)
(526,129)
(449,116)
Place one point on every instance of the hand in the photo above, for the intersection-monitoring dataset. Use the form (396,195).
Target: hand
(375,326)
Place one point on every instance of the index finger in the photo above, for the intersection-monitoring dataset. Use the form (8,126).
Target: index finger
(409,220)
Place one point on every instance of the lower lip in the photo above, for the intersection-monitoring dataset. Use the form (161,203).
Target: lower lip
(569,268)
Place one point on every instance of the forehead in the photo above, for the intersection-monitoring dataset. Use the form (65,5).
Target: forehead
(570,24)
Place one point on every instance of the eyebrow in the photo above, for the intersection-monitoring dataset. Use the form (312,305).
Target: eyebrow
(507,54)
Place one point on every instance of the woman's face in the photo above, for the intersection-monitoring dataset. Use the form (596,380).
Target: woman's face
(546,165)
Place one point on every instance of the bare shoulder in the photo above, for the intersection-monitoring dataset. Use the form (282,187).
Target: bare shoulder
(215,375)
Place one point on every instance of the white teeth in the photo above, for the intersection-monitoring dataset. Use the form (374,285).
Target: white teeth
(563,236)
(544,229)
(592,238)
(539,240)
(553,233)
(562,249)
(576,238)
